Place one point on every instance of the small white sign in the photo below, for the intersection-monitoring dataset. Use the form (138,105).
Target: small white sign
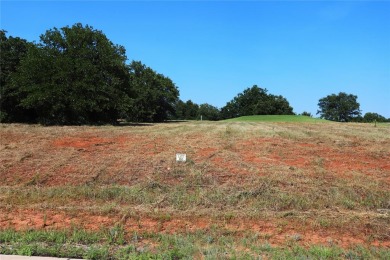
(181,157)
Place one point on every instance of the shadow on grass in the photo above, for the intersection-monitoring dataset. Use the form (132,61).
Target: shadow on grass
(174,121)
(134,124)
(149,124)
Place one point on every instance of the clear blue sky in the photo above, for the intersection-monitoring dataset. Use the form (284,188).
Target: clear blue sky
(213,50)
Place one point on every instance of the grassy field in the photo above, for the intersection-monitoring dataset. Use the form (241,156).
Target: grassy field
(249,190)
(277,118)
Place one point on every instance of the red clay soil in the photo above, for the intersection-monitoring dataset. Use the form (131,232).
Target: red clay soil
(268,230)
(75,159)
(306,154)
(147,154)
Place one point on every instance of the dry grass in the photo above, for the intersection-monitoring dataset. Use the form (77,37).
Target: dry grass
(284,181)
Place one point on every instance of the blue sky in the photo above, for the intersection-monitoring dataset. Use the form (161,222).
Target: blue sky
(213,50)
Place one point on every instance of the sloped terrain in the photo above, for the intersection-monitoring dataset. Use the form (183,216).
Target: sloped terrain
(282,184)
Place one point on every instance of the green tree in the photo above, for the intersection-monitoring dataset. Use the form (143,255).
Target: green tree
(256,101)
(306,114)
(186,110)
(155,94)
(342,107)
(371,117)
(180,110)
(230,110)
(13,50)
(209,112)
(75,75)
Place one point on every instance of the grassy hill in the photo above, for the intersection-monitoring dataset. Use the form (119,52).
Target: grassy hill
(277,118)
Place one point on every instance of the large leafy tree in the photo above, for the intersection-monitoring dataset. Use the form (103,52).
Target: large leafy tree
(209,112)
(186,110)
(342,107)
(155,94)
(12,50)
(256,101)
(191,111)
(75,75)
(371,117)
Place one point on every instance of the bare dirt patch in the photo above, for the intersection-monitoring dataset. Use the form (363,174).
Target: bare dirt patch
(274,233)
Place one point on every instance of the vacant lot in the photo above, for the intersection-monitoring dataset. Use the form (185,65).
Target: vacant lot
(246,188)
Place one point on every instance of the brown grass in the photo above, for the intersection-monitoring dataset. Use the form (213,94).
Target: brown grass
(324,182)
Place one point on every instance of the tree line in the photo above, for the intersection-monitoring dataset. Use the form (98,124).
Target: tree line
(76,75)
(344,107)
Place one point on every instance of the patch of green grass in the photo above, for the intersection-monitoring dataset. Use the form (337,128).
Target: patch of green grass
(211,244)
(277,118)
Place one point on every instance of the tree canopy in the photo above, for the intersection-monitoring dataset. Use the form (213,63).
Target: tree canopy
(372,117)
(342,107)
(191,111)
(209,112)
(256,101)
(75,75)
(13,50)
(155,94)
(304,113)
(186,110)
